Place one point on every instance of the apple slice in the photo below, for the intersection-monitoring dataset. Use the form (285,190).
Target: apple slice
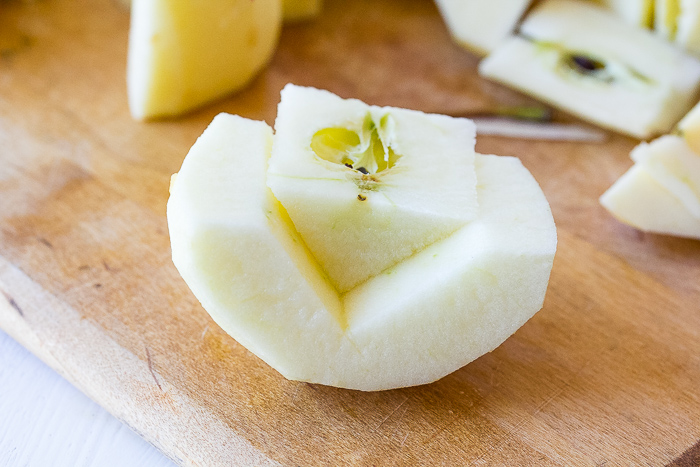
(300,10)
(639,200)
(688,26)
(184,53)
(671,162)
(635,12)
(369,186)
(429,315)
(689,127)
(587,61)
(665,17)
(481,26)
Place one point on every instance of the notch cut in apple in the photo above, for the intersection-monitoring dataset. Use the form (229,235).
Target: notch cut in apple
(434,312)
(184,53)
(587,61)
(367,186)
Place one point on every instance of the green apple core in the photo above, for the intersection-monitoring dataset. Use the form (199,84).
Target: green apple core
(368,151)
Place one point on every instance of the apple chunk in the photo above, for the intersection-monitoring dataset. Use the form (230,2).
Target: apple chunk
(416,322)
(661,192)
(368,186)
(481,26)
(587,61)
(184,53)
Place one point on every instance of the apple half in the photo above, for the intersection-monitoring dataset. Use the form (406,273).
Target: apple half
(238,250)
(481,26)
(589,62)
(184,53)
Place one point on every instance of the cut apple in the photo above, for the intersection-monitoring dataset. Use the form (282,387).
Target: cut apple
(184,53)
(688,26)
(689,127)
(635,12)
(665,17)
(300,10)
(481,26)
(661,192)
(585,60)
(413,323)
(367,186)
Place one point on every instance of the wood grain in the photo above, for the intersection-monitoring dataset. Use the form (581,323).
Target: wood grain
(606,374)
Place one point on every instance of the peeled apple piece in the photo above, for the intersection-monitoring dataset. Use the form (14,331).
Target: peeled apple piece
(587,61)
(367,186)
(665,17)
(688,26)
(427,316)
(480,25)
(635,12)
(661,192)
(689,128)
(184,53)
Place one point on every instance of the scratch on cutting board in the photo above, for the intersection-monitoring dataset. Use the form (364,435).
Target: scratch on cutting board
(150,368)
(388,416)
(13,304)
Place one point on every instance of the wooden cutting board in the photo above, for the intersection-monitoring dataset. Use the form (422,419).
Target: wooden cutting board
(607,373)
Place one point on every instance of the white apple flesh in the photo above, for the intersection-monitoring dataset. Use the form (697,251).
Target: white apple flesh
(357,224)
(661,192)
(414,323)
(184,53)
(300,10)
(585,60)
(481,26)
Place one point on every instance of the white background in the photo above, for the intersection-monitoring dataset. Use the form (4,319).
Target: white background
(44,421)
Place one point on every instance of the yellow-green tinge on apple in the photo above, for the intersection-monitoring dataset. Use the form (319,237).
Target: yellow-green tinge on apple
(635,12)
(688,26)
(300,10)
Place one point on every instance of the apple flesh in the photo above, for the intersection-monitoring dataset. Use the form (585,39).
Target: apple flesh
(367,186)
(661,192)
(481,26)
(688,26)
(586,60)
(419,320)
(635,12)
(184,53)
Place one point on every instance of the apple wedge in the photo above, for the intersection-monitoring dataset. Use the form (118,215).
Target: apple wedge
(635,12)
(184,53)
(356,184)
(419,320)
(481,26)
(661,192)
(689,128)
(666,17)
(587,61)
(688,26)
